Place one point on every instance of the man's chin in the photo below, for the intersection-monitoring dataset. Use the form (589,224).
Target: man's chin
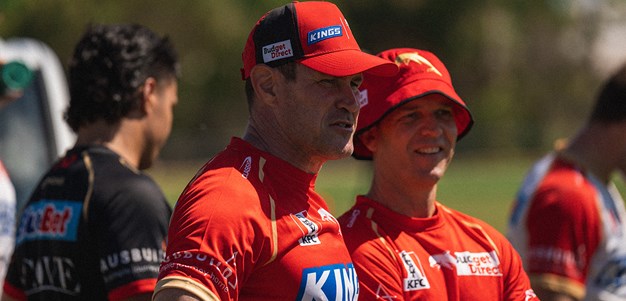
(343,153)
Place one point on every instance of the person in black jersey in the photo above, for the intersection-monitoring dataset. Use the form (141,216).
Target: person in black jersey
(95,226)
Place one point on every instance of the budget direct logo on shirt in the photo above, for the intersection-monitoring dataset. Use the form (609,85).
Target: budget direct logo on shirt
(477,264)
(468,263)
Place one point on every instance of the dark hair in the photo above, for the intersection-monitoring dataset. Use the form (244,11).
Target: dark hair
(288,70)
(109,65)
(611,103)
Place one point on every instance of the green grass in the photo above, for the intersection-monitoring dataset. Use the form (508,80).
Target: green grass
(483,187)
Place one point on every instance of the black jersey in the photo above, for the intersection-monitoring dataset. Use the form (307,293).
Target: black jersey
(94,228)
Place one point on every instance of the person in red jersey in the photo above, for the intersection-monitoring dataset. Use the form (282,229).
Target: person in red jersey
(404,243)
(95,226)
(569,221)
(250,225)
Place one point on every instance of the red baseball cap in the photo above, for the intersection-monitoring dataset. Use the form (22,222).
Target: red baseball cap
(313,33)
(421,73)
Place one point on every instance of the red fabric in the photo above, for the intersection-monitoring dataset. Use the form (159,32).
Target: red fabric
(13,292)
(420,73)
(563,225)
(221,233)
(450,256)
(338,55)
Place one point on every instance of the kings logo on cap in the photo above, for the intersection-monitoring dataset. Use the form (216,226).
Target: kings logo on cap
(321,34)
(314,34)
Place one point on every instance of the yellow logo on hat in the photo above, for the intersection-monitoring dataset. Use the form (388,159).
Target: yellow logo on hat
(406,58)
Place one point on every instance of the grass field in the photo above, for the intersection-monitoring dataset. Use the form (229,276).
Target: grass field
(483,187)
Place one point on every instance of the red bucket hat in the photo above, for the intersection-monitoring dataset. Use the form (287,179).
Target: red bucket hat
(421,73)
(315,34)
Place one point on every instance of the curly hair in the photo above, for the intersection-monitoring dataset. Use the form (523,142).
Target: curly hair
(109,65)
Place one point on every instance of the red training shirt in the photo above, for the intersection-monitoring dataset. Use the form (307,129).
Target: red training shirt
(250,226)
(449,256)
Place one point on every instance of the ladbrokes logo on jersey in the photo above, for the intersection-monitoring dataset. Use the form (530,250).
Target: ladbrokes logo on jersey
(50,220)
(332,282)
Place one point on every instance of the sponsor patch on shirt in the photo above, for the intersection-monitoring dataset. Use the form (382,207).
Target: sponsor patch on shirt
(468,263)
(416,278)
(246,165)
(325,33)
(50,274)
(221,272)
(277,51)
(331,282)
(311,230)
(49,220)
(477,264)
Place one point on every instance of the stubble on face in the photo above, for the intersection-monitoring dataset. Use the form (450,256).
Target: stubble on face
(314,120)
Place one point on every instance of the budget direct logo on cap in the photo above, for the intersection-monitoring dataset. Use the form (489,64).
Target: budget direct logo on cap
(325,33)
(277,51)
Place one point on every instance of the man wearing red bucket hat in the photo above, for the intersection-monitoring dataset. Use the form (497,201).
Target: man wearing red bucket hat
(250,225)
(405,245)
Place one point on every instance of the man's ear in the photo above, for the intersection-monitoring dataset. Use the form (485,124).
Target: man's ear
(149,95)
(368,138)
(264,82)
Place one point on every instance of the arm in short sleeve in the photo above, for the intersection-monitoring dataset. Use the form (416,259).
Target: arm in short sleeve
(378,272)
(517,285)
(130,230)
(216,237)
(564,231)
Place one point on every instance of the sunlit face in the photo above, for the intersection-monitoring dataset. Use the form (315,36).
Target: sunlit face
(318,113)
(160,121)
(416,141)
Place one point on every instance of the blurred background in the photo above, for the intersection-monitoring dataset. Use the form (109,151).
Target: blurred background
(528,70)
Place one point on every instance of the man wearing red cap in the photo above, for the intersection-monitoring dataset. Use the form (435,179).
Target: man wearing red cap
(250,225)
(405,245)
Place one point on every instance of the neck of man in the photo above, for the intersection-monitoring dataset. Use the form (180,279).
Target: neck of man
(410,200)
(279,147)
(598,149)
(122,138)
